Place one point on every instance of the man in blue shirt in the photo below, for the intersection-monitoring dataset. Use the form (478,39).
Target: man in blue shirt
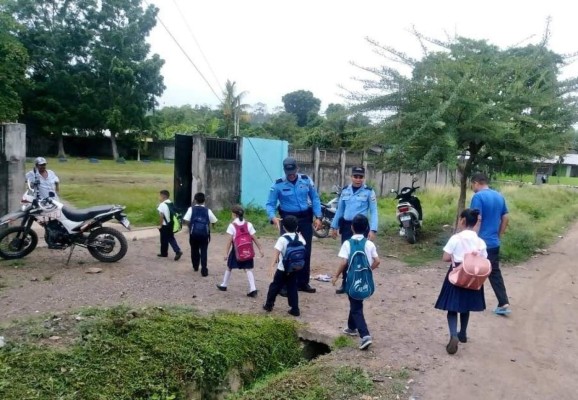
(293,193)
(492,225)
(357,198)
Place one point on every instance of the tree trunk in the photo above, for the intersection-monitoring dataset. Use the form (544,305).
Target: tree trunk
(462,198)
(114,147)
(61,153)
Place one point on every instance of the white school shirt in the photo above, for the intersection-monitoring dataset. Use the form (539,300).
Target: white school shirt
(232,231)
(281,245)
(46,185)
(189,214)
(469,239)
(163,210)
(370,249)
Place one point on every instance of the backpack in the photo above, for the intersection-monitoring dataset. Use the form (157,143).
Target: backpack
(472,272)
(294,257)
(359,281)
(175,218)
(243,243)
(200,222)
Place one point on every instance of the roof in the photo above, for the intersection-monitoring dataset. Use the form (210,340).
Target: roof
(568,159)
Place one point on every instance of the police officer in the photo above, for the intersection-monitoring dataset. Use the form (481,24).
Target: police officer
(356,198)
(293,193)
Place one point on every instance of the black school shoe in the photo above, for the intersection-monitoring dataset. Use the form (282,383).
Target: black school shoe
(452,347)
(178,256)
(267,308)
(294,313)
(204,272)
(462,338)
(160,255)
(341,290)
(253,293)
(307,289)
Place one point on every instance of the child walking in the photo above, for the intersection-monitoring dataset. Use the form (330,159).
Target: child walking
(280,277)
(166,226)
(238,227)
(454,299)
(356,324)
(199,218)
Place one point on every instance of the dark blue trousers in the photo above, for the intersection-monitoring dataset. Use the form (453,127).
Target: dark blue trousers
(356,319)
(496,279)
(281,279)
(305,227)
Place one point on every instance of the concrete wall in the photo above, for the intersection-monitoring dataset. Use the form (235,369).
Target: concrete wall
(12,166)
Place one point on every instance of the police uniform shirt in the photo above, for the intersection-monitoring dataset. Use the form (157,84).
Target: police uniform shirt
(356,201)
(293,197)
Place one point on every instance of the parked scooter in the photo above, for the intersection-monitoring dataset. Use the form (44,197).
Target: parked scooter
(63,227)
(409,212)
(328,211)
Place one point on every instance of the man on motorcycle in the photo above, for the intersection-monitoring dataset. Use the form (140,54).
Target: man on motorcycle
(357,198)
(45,178)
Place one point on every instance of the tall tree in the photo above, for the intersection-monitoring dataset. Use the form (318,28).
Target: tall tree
(126,81)
(303,105)
(13,62)
(469,103)
(233,108)
(56,36)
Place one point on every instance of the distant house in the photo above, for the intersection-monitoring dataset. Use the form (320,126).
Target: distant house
(566,165)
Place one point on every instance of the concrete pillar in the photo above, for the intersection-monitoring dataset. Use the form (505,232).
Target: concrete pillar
(568,171)
(12,166)
(342,164)
(198,165)
(316,157)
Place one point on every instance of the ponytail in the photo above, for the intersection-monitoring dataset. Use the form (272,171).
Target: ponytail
(238,211)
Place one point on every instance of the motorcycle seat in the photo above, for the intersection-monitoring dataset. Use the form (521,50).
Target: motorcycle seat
(85,213)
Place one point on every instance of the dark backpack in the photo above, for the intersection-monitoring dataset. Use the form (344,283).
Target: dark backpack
(243,243)
(294,257)
(359,282)
(200,222)
(175,218)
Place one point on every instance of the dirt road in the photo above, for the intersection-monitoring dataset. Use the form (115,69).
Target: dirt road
(530,355)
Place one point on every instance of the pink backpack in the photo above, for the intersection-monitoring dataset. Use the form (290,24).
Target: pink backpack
(472,272)
(243,243)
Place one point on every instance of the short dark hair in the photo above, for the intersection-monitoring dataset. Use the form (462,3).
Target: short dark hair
(199,198)
(290,223)
(480,177)
(165,193)
(471,216)
(360,224)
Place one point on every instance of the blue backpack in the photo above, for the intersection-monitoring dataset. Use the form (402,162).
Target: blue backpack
(200,222)
(294,257)
(359,281)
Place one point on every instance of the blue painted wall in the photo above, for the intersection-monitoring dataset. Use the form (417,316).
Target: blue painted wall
(261,165)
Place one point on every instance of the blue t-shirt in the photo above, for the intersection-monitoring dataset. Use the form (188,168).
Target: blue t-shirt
(492,206)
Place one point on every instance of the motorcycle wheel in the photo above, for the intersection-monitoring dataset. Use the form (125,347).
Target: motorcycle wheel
(107,244)
(323,232)
(410,234)
(16,243)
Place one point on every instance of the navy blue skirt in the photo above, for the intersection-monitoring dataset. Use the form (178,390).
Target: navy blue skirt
(457,299)
(232,262)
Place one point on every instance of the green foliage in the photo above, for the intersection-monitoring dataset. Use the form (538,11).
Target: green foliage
(168,121)
(303,105)
(342,341)
(354,379)
(133,354)
(13,62)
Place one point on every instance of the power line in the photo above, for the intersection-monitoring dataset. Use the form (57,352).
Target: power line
(186,55)
(198,44)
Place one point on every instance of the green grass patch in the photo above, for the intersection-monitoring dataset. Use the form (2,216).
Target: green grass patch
(145,354)
(342,341)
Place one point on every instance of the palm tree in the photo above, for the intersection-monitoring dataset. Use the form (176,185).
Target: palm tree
(233,108)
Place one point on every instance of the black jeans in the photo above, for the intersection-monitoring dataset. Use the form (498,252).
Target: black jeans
(496,279)
(168,237)
(356,318)
(305,227)
(280,280)
(199,250)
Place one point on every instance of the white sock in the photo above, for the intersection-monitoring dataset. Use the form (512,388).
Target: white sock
(251,278)
(226,278)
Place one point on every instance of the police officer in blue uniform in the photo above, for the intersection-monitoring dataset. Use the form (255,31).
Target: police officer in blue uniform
(356,198)
(293,193)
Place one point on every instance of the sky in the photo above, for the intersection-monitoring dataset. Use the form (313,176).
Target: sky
(273,47)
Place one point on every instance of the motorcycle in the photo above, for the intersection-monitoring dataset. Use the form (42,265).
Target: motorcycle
(63,227)
(409,212)
(328,211)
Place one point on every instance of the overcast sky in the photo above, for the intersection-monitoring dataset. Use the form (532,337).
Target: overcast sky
(273,47)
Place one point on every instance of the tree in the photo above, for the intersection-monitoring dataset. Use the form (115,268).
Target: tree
(56,36)
(168,121)
(126,81)
(282,126)
(303,105)
(13,63)
(470,104)
(233,108)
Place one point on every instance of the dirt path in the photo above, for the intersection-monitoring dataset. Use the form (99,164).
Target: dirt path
(529,355)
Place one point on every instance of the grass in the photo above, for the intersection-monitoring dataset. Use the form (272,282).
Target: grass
(142,354)
(552,180)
